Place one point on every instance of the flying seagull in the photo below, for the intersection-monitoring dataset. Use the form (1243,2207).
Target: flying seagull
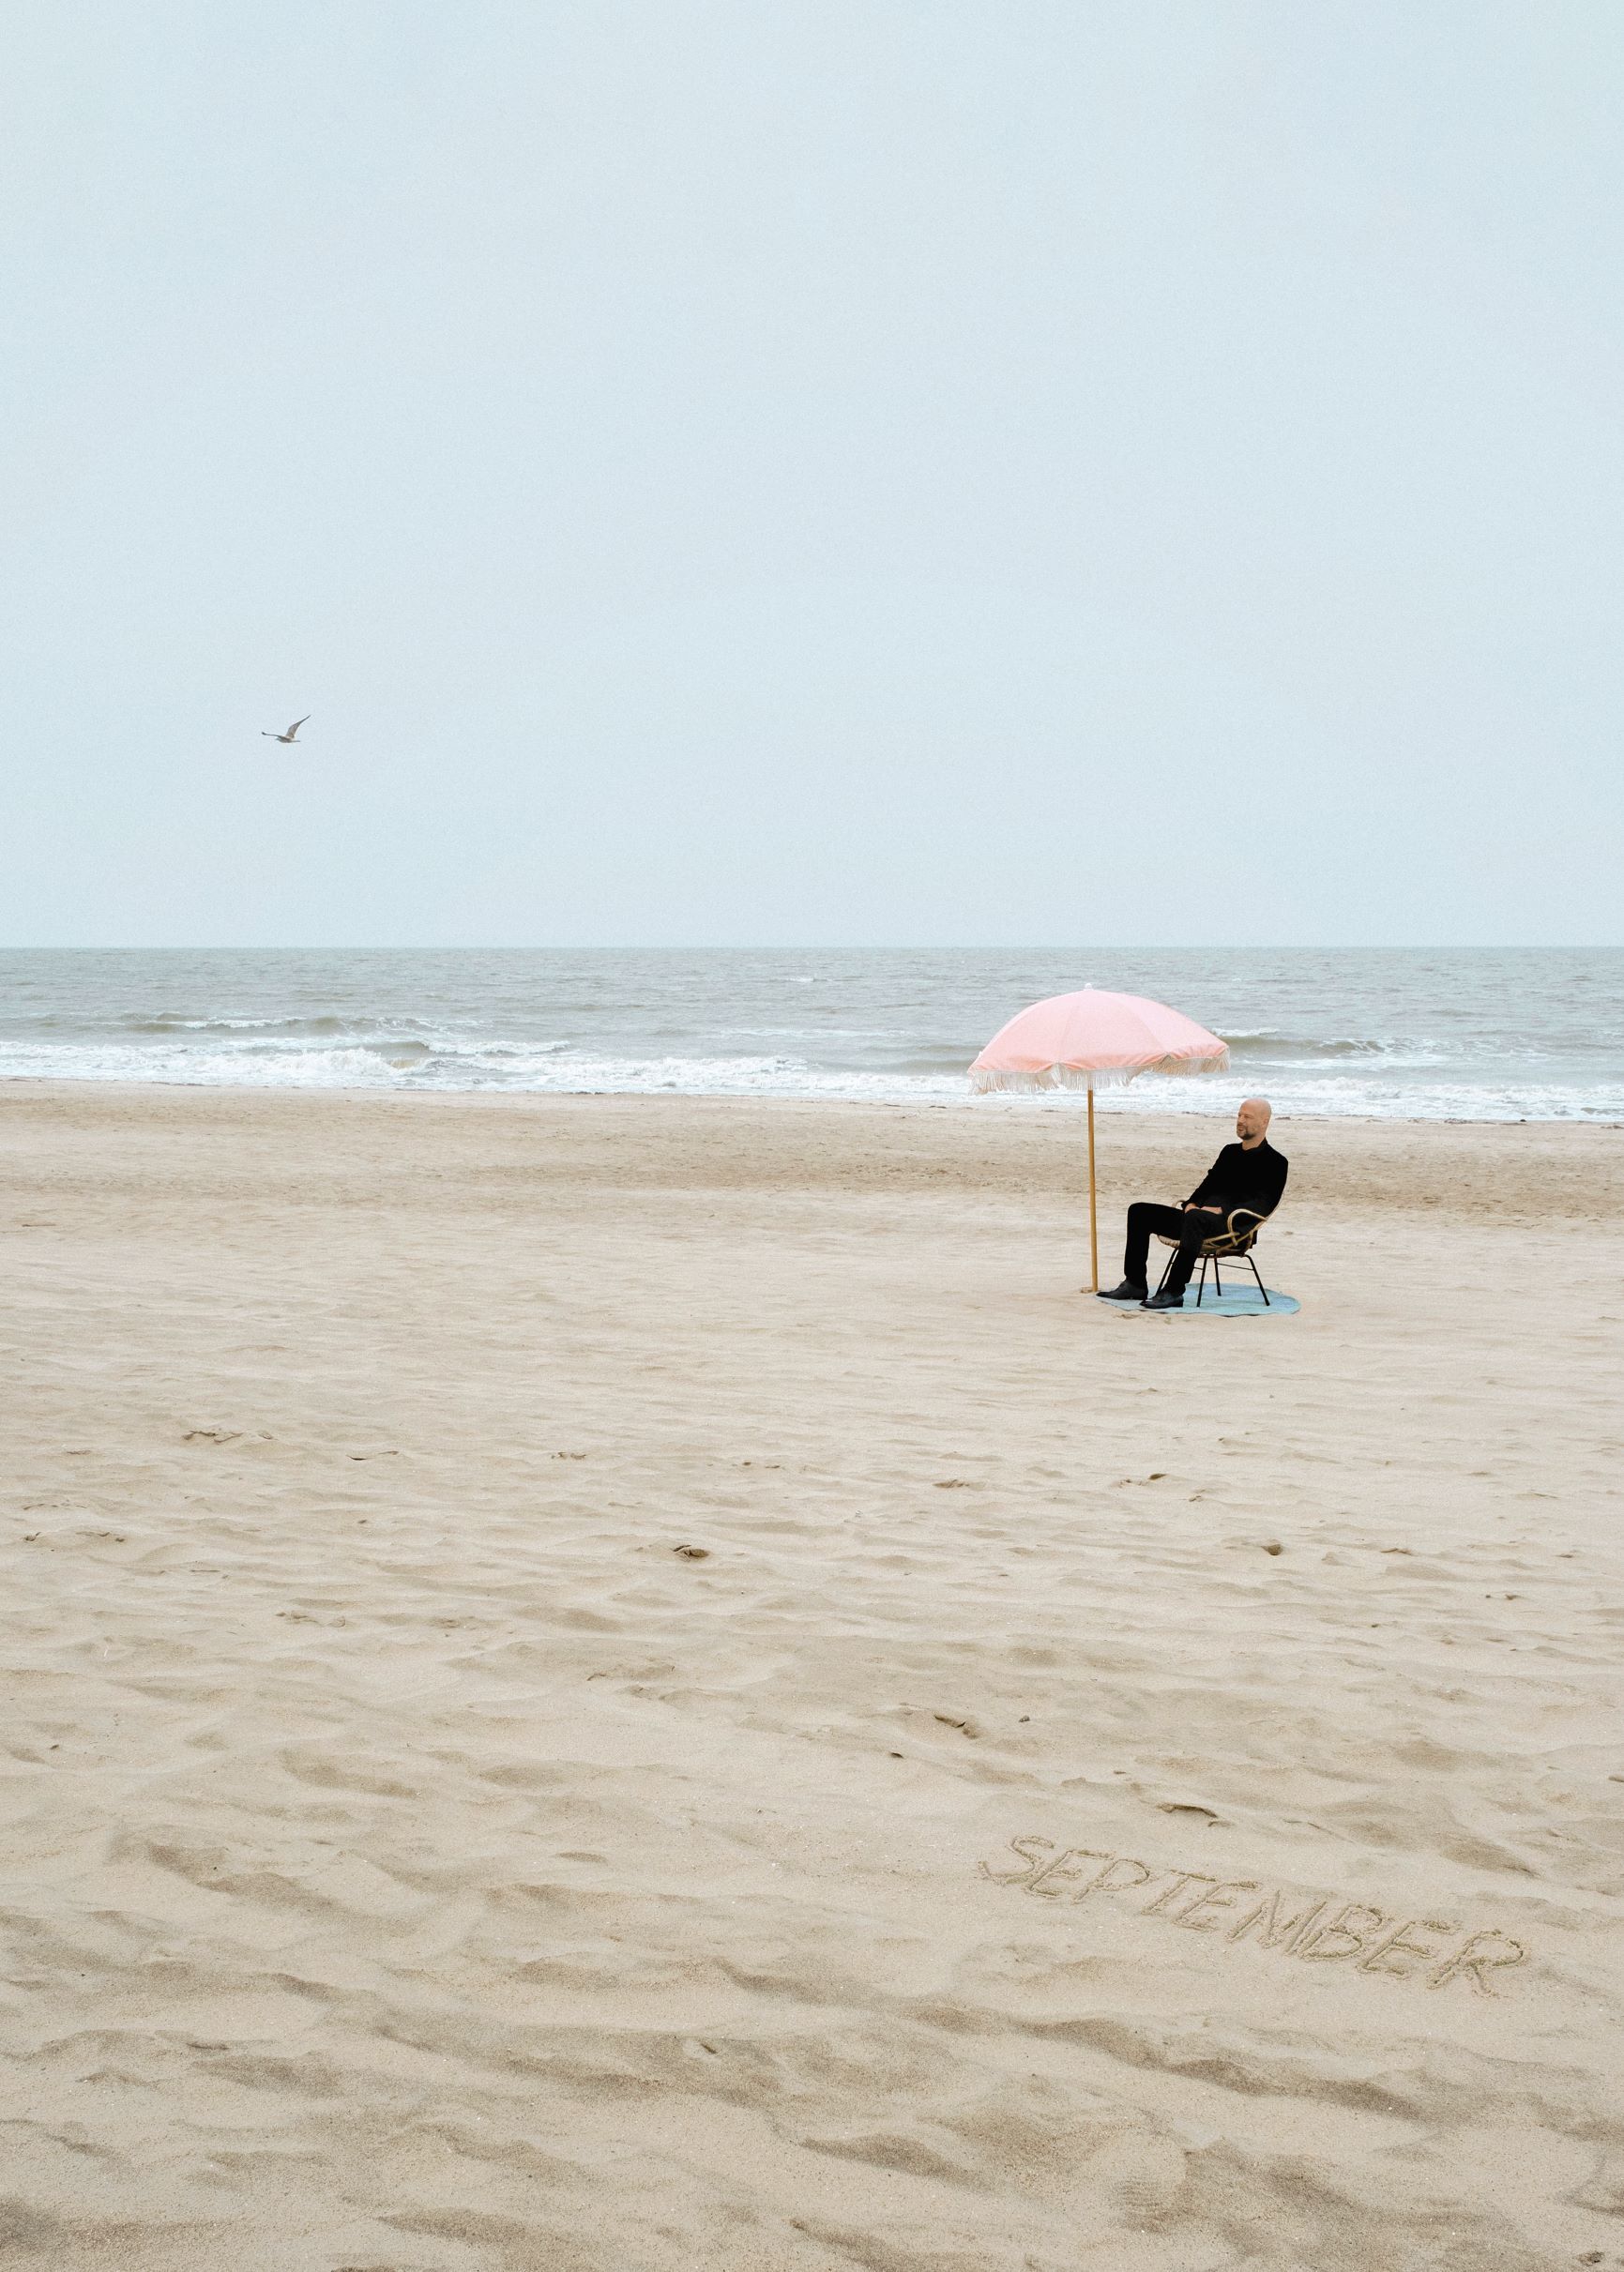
(291,731)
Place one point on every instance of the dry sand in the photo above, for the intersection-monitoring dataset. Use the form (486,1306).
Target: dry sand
(415,1859)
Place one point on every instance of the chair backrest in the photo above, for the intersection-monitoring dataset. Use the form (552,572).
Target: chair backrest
(1229,1241)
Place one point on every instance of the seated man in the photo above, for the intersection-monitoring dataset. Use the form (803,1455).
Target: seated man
(1250,1173)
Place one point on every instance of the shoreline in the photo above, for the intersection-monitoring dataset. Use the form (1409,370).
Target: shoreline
(1497,1173)
(1112,1102)
(991,1107)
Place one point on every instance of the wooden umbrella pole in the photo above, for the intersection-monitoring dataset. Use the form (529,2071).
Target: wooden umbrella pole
(1093,1218)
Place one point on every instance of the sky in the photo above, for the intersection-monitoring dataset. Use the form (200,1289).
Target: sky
(834,473)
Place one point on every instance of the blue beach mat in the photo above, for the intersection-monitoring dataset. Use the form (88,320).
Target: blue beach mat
(1232,1302)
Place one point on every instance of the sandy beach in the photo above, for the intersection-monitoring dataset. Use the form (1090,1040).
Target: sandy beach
(644,1685)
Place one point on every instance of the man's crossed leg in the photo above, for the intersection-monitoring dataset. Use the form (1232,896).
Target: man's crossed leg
(1188,1225)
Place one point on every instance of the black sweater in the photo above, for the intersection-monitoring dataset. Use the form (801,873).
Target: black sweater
(1239,1178)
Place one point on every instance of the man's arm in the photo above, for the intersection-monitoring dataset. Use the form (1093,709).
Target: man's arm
(1276,1168)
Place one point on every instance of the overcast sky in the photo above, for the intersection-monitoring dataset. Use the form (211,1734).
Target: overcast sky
(825,472)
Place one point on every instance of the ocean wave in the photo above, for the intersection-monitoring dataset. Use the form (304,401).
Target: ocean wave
(1302,1048)
(1465,1037)
(168,1021)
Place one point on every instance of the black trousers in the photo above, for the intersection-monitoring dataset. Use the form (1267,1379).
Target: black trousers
(1144,1217)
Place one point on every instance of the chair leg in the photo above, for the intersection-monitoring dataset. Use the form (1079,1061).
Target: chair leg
(1167,1272)
(1261,1287)
(1217,1279)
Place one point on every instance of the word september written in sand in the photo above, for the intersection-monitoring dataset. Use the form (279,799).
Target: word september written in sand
(1371,1940)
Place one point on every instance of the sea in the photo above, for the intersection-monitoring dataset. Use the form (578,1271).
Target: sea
(1526,1034)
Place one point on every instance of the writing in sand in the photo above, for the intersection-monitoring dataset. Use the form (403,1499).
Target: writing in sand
(1318,1927)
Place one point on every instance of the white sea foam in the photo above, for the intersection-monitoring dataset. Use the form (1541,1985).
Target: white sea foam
(407,1066)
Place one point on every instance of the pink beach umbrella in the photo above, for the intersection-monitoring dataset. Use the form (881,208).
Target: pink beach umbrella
(1094,1040)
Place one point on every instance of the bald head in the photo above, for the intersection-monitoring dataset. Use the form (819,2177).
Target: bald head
(1252,1121)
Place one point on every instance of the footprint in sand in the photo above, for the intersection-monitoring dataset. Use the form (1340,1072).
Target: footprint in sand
(694,1553)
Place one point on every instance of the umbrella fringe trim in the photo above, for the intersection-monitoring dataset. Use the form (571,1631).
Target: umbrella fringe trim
(985,1081)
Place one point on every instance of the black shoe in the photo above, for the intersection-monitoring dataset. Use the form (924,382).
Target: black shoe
(1126,1291)
(1171,1299)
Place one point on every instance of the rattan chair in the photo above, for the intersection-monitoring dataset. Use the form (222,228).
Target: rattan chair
(1232,1245)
